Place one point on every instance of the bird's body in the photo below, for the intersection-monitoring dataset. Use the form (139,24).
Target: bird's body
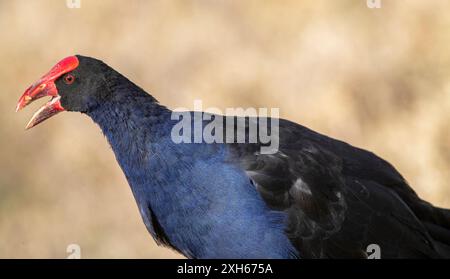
(316,197)
(202,221)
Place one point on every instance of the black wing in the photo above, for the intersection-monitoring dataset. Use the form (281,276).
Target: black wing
(340,199)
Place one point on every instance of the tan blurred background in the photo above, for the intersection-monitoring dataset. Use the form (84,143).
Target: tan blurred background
(376,78)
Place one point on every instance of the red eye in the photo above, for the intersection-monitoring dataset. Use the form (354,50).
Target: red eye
(69,79)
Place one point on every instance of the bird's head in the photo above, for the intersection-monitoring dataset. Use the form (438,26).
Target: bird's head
(75,83)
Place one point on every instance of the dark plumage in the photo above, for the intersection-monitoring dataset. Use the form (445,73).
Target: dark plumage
(316,197)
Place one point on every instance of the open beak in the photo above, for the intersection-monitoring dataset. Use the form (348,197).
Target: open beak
(38,90)
(46,87)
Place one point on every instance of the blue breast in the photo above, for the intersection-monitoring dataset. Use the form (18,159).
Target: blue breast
(204,206)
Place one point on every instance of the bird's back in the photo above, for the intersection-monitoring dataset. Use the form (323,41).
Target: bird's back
(340,199)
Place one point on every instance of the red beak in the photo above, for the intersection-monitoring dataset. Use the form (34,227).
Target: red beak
(46,87)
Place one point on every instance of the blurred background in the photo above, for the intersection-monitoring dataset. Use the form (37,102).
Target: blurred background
(376,78)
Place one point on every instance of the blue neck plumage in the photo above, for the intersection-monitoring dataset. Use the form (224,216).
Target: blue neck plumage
(184,200)
(134,124)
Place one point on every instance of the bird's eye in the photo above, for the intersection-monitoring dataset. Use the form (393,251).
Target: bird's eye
(69,79)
